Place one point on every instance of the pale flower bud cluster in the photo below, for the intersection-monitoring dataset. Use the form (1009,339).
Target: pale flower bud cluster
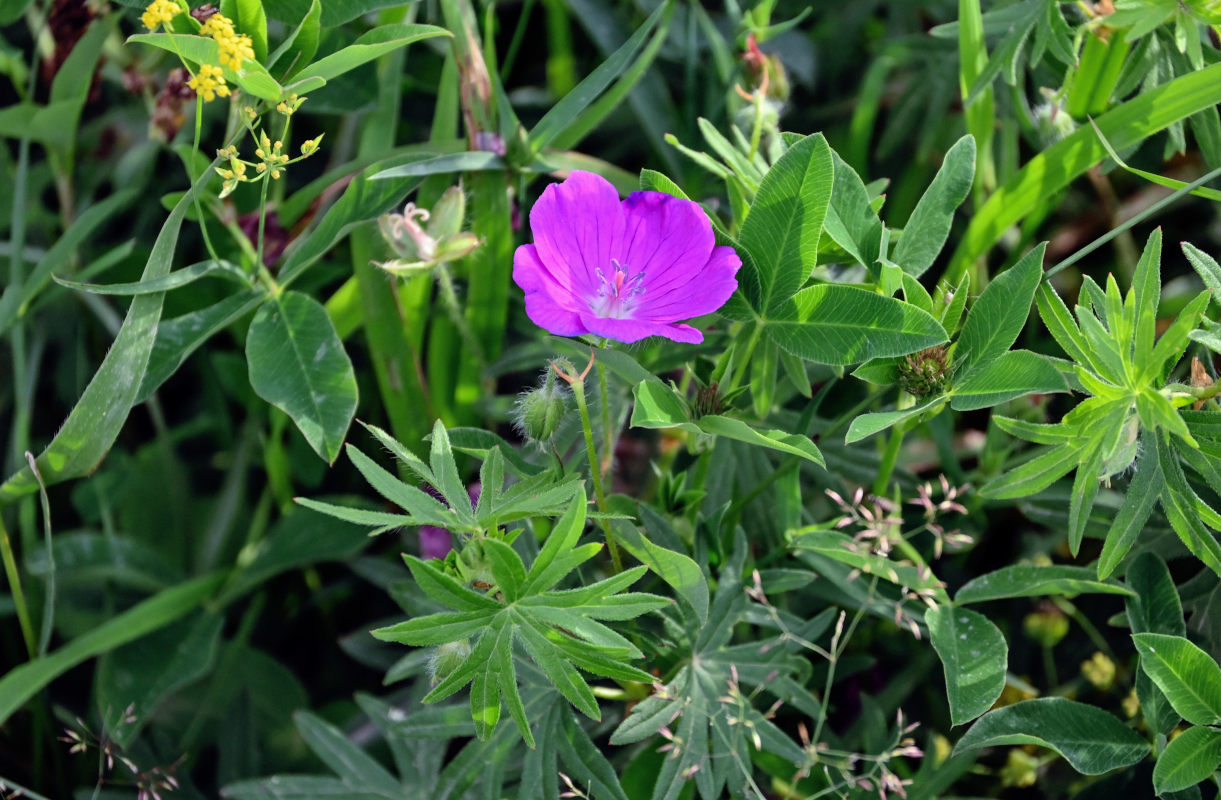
(421,247)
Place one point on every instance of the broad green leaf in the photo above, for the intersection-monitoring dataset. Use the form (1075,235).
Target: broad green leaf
(358,770)
(999,315)
(300,46)
(1031,581)
(838,324)
(1189,758)
(851,222)
(252,77)
(1141,496)
(1014,373)
(568,110)
(929,225)
(782,230)
(659,406)
(1188,676)
(177,278)
(178,338)
(1090,739)
(298,364)
(867,425)
(374,44)
(24,681)
(974,656)
(133,680)
(1155,609)
(249,18)
(94,422)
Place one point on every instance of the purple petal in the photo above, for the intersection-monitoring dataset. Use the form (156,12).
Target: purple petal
(578,229)
(702,293)
(435,542)
(633,330)
(667,238)
(549,303)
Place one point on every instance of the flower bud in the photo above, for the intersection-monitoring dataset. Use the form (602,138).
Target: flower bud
(448,214)
(924,373)
(538,412)
(1047,626)
(445,659)
(1099,670)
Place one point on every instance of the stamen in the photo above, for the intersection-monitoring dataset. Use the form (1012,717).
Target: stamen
(614,293)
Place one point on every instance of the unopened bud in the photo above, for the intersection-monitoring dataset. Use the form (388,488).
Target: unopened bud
(448,214)
(924,373)
(539,411)
(447,658)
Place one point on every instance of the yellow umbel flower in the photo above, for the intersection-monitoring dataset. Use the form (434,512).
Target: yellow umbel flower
(217,26)
(209,83)
(159,12)
(234,47)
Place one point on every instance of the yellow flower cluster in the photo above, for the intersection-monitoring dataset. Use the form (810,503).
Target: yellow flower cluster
(234,47)
(209,83)
(271,155)
(159,12)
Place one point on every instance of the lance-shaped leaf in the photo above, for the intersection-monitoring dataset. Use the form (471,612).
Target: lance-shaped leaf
(1188,759)
(1089,738)
(1188,676)
(974,654)
(559,629)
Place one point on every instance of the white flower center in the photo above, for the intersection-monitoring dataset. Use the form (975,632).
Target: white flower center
(616,294)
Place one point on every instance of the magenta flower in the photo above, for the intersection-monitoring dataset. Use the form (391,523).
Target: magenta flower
(624,270)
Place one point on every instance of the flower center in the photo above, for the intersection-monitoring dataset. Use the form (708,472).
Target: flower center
(615,295)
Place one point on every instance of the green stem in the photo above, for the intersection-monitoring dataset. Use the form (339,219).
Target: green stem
(743,364)
(1076,616)
(258,258)
(889,457)
(608,435)
(449,296)
(203,224)
(578,391)
(14,580)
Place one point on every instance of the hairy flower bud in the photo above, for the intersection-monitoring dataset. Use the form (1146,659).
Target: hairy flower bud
(445,659)
(924,373)
(539,411)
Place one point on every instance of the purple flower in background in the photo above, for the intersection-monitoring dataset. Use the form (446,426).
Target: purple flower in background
(624,270)
(437,542)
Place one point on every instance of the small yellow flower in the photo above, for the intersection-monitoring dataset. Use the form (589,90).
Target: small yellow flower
(234,49)
(217,26)
(159,12)
(209,83)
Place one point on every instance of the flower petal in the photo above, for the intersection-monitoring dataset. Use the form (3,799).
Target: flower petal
(578,229)
(667,238)
(549,303)
(702,293)
(633,330)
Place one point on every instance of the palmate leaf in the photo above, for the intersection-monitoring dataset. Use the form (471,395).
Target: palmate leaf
(559,629)
(713,724)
